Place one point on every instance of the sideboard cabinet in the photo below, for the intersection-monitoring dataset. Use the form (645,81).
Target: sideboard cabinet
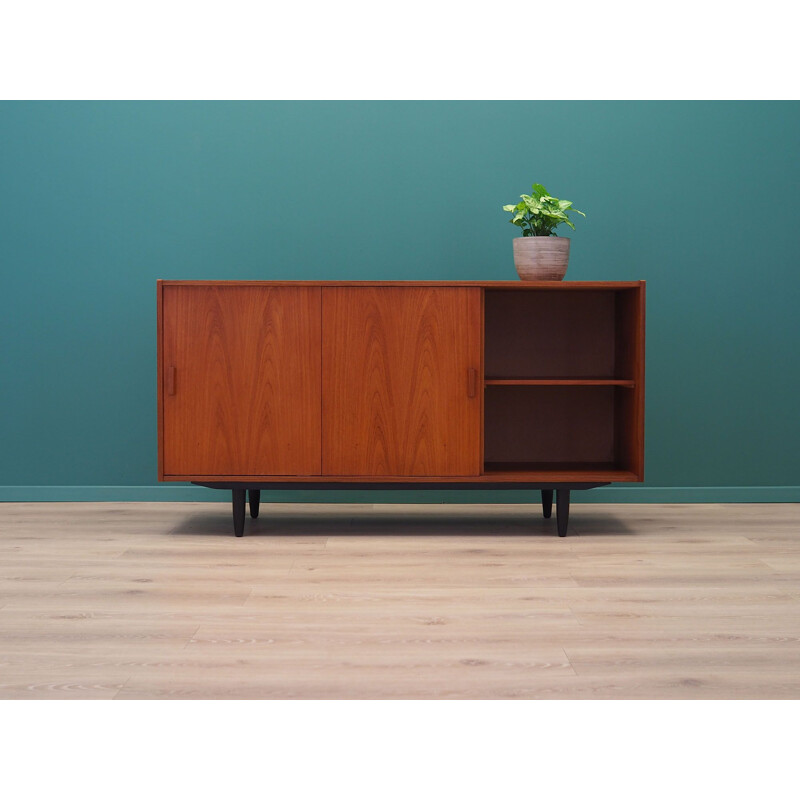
(275,384)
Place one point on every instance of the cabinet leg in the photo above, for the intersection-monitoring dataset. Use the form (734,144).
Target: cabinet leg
(562,510)
(238,511)
(255,500)
(547,502)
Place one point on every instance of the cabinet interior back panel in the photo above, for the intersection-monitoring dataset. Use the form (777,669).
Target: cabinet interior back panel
(550,334)
(549,424)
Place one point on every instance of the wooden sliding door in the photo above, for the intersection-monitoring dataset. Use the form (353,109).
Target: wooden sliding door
(241,380)
(401,382)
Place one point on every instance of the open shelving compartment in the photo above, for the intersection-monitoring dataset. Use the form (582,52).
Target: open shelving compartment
(563,384)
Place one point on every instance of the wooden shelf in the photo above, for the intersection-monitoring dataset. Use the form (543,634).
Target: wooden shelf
(558,471)
(559,382)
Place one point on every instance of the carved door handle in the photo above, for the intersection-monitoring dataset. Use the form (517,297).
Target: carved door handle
(472,382)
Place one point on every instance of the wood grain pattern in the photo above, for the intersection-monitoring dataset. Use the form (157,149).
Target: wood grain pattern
(395,382)
(145,600)
(609,316)
(581,472)
(247,377)
(558,286)
(558,382)
(160,375)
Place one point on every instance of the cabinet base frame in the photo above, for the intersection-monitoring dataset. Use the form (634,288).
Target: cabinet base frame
(240,491)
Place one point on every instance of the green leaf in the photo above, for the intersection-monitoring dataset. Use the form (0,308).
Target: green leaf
(554,213)
(540,213)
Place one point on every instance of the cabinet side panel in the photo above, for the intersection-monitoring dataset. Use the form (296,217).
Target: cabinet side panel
(244,368)
(640,378)
(398,395)
(159,377)
(629,418)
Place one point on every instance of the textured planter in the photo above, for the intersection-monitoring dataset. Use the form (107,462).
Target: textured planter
(541,258)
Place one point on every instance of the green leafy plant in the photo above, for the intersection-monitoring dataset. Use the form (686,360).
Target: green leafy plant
(539,214)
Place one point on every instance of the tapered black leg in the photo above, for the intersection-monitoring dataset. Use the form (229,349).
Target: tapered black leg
(238,511)
(255,500)
(562,510)
(547,502)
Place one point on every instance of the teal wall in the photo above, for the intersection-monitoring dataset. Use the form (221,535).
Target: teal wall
(98,200)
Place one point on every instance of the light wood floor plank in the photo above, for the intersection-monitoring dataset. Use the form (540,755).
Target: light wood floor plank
(159,600)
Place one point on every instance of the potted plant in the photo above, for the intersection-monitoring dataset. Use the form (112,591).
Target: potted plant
(540,254)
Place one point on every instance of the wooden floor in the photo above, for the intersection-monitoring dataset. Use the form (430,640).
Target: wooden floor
(159,600)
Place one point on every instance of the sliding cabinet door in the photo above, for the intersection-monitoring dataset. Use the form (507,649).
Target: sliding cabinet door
(241,381)
(401,391)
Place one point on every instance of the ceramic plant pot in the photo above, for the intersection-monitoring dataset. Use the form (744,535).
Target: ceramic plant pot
(541,258)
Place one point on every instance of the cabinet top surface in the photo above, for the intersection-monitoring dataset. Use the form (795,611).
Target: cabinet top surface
(564,285)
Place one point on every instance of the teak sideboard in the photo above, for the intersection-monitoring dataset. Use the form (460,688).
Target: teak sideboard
(495,384)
